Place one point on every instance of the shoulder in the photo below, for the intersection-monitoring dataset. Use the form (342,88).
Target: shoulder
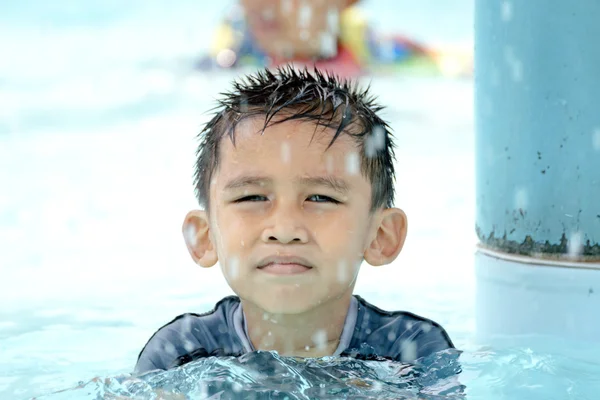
(189,332)
(399,335)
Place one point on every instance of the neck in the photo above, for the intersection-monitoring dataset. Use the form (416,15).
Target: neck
(314,333)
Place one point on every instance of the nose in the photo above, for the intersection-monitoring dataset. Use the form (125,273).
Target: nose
(285,226)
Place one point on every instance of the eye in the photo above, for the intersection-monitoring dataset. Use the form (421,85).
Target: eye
(319,198)
(252,198)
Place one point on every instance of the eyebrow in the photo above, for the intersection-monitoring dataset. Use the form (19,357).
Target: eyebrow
(338,185)
(331,182)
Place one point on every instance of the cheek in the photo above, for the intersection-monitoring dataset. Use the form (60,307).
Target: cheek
(236,232)
(342,236)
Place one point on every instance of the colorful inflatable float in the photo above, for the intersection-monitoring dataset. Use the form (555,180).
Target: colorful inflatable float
(360,51)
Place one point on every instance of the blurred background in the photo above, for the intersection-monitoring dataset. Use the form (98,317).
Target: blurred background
(100,103)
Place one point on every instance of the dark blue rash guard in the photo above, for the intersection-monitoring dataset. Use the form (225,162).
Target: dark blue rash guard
(368,333)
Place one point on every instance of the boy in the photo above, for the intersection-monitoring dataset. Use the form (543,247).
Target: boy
(331,35)
(295,177)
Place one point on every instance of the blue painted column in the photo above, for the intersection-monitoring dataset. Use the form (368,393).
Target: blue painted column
(537,99)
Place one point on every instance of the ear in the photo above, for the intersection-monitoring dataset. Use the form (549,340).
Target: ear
(196,233)
(389,237)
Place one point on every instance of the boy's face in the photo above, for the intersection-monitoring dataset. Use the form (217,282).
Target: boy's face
(272,197)
(295,28)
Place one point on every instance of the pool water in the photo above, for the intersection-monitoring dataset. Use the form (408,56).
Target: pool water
(98,114)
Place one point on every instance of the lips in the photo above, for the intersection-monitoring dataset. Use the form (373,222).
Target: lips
(284,265)
(285,269)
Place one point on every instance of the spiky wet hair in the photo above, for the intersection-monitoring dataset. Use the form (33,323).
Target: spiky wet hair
(322,99)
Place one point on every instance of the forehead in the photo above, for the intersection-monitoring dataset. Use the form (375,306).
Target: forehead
(298,143)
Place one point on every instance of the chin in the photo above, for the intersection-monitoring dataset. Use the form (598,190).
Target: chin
(286,303)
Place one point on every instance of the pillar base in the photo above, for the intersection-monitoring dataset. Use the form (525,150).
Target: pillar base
(528,297)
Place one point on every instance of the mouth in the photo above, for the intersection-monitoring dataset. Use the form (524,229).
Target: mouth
(285,265)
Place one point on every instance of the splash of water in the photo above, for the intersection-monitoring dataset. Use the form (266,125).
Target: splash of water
(266,375)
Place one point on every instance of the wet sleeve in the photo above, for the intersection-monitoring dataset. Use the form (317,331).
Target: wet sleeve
(151,357)
(432,338)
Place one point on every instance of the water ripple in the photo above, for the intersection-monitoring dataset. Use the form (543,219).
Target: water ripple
(266,375)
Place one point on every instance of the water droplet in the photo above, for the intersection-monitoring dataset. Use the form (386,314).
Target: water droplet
(596,139)
(170,349)
(233,267)
(329,164)
(514,64)
(375,142)
(286,153)
(304,15)
(319,338)
(286,7)
(226,58)
(408,349)
(391,337)
(186,323)
(352,163)
(328,44)
(426,327)
(188,346)
(191,235)
(517,70)
(507,11)
(521,199)
(333,21)
(575,246)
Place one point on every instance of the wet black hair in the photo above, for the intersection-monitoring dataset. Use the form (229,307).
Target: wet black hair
(299,95)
